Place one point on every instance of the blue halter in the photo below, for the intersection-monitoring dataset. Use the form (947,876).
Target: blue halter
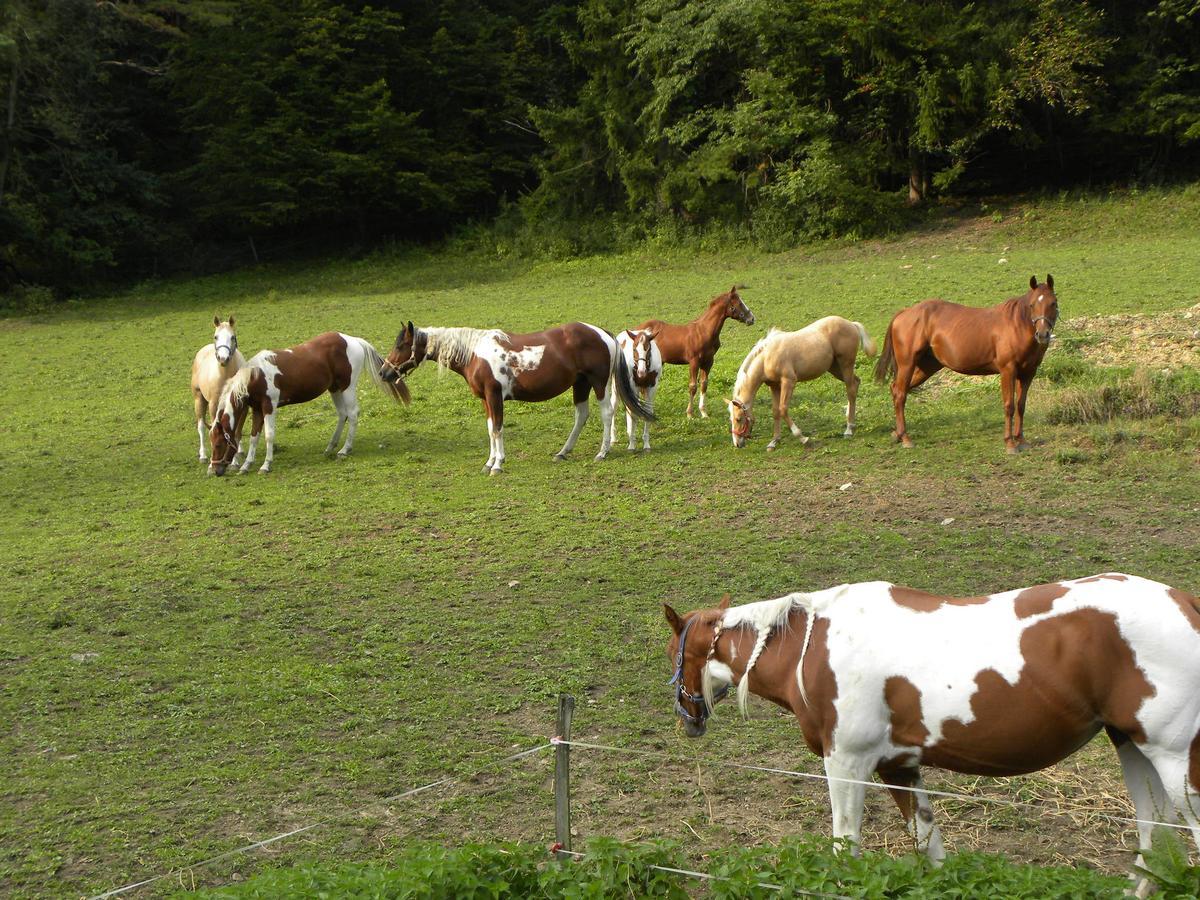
(682,693)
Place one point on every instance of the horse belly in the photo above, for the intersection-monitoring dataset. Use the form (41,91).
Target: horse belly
(1018,749)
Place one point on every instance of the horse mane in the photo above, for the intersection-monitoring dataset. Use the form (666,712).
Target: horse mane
(455,346)
(755,352)
(235,389)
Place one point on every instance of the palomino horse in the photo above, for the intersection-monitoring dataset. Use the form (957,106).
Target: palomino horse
(645,362)
(1010,339)
(214,365)
(273,378)
(783,358)
(499,366)
(697,342)
(885,679)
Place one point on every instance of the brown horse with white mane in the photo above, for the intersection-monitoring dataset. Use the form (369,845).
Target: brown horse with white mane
(499,366)
(329,363)
(886,679)
(696,343)
(1009,339)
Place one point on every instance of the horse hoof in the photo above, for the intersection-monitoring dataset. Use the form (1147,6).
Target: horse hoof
(492,473)
(906,442)
(1011,450)
(343,454)
(703,414)
(771,447)
(559,457)
(600,456)
(847,434)
(203,458)
(265,470)
(805,440)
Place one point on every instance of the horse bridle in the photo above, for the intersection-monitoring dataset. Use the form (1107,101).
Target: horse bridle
(744,429)
(232,345)
(681,692)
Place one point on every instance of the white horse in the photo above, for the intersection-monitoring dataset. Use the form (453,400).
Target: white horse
(214,365)
(645,361)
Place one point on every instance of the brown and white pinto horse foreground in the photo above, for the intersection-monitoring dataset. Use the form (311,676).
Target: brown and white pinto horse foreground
(783,358)
(273,378)
(696,343)
(499,366)
(213,365)
(1009,339)
(885,679)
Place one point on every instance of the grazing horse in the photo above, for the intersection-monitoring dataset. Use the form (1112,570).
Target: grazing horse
(273,378)
(645,362)
(499,366)
(214,365)
(697,342)
(783,358)
(1010,339)
(885,679)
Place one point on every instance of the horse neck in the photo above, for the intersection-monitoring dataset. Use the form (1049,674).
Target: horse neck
(712,320)
(1019,311)
(774,672)
(749,379)
(440,346)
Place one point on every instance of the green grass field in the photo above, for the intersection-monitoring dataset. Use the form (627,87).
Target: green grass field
(188,663)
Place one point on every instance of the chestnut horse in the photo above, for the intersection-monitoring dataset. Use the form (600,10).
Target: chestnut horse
(645,362)
(697,342)
(783,358)
(1010,339)
(214,365)
(273,378)
(499,366)
(885,679)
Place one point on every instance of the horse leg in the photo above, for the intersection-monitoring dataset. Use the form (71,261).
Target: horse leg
(1007,391)
(910,374)
(777,411)
(201,406)
(338,398)
(495,410)
(703,392)
(350,417)
(255,429)
(269,431)
(1023,383)
(581,389)
(630,429)
(852,382)
(785,402)
(1173,774)
(608,417)
(648,396)
(693,367)
(847,773)
(1149,800)
(916,810)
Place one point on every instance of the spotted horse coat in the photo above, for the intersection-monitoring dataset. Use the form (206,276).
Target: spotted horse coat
(885,679)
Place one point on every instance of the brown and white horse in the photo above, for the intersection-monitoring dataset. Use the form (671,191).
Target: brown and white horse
(499,366)
(645,362)
(273,378)
(783,358)
(697,342)
(1010,339)
(213,365)
(886,679)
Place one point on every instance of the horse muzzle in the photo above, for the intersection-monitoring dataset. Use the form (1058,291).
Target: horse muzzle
(694,729)
(1043,337)
(749,318)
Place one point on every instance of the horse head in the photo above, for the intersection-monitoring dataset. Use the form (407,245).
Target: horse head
(224,339)
(643,350)
(407,353)
(227,422)
(735,308)
(1043,308)
(741,421)
(691,650)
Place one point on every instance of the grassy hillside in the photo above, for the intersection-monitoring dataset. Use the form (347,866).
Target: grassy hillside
(189,663)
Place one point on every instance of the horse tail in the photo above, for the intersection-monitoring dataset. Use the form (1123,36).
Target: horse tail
(886,367)
(397,389)
(864,339)
(626,389)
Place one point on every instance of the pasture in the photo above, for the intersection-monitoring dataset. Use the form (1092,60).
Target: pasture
(190,663)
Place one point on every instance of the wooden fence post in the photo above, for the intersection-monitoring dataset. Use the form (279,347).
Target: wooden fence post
(562,777)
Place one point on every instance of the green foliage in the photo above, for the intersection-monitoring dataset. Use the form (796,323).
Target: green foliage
(1166,863)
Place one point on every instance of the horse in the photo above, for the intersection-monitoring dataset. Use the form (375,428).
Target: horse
(884,679)
(273,378)
(644,360)
(697,342)
(500,366)
(1010,339)
(213,365)
(783,358)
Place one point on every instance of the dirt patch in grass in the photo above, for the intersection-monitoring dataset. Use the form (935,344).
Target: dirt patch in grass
(1167,340)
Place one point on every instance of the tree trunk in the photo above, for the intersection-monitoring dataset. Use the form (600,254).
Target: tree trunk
(918,179)
(10,119)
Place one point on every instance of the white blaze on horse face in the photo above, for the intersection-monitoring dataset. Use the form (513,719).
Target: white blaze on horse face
(223,342)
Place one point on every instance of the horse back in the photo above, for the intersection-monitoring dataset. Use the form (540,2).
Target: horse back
(308,370)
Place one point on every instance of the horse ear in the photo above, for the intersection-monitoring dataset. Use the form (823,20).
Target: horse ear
(1049,281)
(216,320)
(733,290)
(1033,282)
(724,604)
(673,618)
(231,320)
(409,327)
(728,402)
